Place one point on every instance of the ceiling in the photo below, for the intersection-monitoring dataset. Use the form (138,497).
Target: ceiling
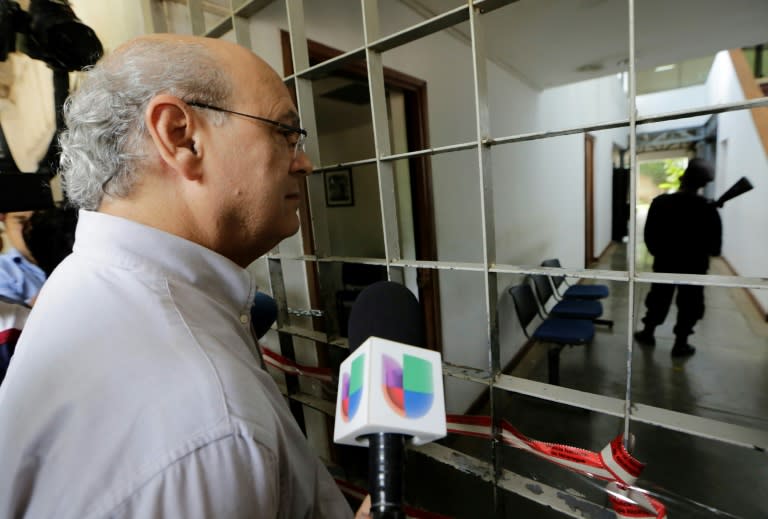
(547,43)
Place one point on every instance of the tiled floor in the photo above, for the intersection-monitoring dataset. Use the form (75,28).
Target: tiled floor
(695,477)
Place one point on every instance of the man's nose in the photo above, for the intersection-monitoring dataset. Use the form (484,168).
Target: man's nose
(301,165)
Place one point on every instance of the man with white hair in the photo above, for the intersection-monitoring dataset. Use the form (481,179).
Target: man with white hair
(135,390)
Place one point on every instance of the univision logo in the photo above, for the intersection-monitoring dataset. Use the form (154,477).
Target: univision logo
(352,389)
(408,386)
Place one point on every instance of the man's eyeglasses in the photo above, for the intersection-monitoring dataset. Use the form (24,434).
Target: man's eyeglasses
(301,140)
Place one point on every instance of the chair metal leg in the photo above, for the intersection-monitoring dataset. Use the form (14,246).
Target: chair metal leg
(553,364)
(606,322)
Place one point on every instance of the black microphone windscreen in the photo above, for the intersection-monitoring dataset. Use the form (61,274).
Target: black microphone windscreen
(263,314)
(387,310)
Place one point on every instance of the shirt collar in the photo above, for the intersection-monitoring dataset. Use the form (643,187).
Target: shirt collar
(134,246)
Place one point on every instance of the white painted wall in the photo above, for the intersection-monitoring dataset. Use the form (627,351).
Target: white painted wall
(114,21)
(581,104)
(671,101)
(745,218)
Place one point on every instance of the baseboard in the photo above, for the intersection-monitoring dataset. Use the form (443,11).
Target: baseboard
(611,245)
(762,311)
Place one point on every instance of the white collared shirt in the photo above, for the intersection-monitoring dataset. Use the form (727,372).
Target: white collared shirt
(134,392)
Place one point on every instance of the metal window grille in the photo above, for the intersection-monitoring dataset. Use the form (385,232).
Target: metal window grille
(231,19)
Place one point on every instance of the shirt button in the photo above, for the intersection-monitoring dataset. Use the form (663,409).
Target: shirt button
(244,319)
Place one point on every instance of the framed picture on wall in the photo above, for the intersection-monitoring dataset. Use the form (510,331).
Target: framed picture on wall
(338,188)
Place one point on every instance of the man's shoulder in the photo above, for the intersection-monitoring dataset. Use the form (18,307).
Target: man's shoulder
(9,264)
(664,198)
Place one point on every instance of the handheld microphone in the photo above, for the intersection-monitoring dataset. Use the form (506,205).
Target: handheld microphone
(390,389)
(263,314)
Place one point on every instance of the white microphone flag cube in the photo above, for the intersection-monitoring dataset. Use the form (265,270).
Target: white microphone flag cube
(387,386)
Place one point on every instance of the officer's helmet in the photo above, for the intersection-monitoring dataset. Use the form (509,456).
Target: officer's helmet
(698,173)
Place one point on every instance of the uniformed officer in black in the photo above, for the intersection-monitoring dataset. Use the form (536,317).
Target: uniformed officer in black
(682,231)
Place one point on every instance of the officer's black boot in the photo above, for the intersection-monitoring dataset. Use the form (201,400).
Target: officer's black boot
(682,348)
(645,336)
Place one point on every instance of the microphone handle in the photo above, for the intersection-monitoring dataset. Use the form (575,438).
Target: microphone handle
(385,475)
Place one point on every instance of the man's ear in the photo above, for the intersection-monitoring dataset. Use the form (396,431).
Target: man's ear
(172,126)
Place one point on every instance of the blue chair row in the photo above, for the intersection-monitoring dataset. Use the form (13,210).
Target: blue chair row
(555,331)
(572,308)
(591,292)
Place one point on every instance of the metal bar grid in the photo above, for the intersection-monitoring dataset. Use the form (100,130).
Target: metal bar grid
(372,50)
(740,436)
(196,16)
(277,286)
(485,179)
(484,141)
(329,66)
(220,29)
(533,136)
(531,489)
(315,187)
(672,420)
(413,33)
(714,280)
(154,16)
(420,30)
(250,8)
(632,218)
(381,141)
(242,29)
(570,504)
(536,490)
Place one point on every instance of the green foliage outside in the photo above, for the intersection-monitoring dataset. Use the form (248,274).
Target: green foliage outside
(665,173)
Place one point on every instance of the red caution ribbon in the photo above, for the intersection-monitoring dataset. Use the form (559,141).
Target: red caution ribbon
(290,367)
(9,336)
(613,464)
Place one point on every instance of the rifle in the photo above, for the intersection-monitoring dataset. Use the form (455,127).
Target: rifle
(739,188)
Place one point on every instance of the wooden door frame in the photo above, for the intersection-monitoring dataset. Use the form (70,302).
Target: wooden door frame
(589,197)
(417,129)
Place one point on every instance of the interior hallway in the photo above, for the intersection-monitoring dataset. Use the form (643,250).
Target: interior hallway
(695,477)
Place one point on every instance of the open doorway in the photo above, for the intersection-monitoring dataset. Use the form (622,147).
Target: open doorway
(654,177)
(589,197)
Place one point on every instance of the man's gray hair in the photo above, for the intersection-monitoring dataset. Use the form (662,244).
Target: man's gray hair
(105,141)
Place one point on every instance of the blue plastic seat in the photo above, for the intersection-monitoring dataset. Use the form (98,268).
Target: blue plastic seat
(567,308)
(591,292)
(569,332)
(556,332)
